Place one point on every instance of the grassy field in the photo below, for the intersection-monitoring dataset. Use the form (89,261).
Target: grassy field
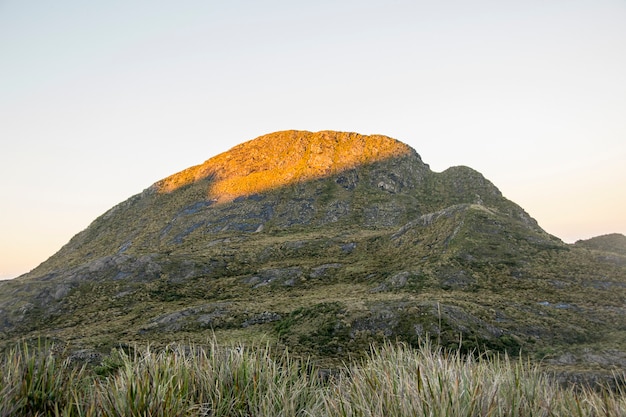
(216,380)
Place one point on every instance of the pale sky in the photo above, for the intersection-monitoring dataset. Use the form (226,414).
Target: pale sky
(100,99)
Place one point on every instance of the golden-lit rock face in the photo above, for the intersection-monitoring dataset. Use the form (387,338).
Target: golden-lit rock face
(283,158)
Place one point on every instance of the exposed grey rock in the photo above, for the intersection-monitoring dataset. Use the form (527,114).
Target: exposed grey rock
(204,315)
(85,356)
(322,270)
(286,276)
(265,317)
(348,247)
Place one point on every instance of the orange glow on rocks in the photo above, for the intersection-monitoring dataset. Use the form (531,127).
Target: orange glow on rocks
(283,158)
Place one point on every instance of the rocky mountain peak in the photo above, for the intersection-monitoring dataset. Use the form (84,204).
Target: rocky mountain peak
(326,243)
(282,158)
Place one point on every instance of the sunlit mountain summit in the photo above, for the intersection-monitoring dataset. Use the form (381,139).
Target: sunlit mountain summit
(283,158)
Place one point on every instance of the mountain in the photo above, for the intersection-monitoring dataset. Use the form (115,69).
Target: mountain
(327,242)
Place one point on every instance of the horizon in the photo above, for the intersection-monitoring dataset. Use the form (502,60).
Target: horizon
(100,101)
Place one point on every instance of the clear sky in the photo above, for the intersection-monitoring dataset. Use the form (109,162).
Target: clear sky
(100,99)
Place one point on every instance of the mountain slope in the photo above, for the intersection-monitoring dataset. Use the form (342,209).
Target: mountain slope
(325,242)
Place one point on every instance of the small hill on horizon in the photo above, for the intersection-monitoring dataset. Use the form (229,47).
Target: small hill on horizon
(613,242)
(327,242)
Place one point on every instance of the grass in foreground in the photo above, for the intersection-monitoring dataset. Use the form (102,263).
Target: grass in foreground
(243,381)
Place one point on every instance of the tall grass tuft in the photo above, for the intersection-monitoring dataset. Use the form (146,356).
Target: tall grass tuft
(214,381)
(399,381)
(35,382)
(147,384)
(247,382)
